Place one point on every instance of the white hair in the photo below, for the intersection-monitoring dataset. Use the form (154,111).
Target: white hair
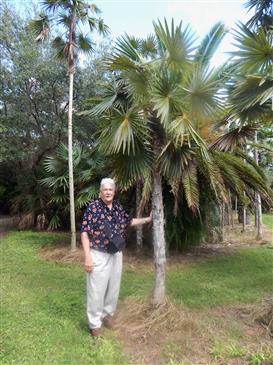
(109,181)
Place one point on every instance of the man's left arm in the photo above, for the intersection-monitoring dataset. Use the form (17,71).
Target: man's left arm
(140,221)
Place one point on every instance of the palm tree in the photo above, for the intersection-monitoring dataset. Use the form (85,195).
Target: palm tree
(263,16)
(156,116)
(251,90)
(89,167)
(69,15)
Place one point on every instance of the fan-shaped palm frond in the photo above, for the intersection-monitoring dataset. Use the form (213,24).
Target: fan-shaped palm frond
(128,47)
(232,139)
(128,169)
(127,129)
(85,45)
(252,90)
(40,27)
(173,160)
(53,5)
(202,93)
(263,14)
(178,44)
(166,95)
(255,50)
(148,47)
(61,47)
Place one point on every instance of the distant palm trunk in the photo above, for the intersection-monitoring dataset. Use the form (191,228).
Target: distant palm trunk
(244,219)
(139,229)
(236,206)
(70,164)
(258,202)
(158,240)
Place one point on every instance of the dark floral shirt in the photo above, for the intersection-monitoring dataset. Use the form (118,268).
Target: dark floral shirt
(94,219)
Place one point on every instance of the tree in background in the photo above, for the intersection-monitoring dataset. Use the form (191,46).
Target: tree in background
(69,15)
(251,87)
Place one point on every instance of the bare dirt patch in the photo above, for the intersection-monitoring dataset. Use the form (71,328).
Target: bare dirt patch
(224,335)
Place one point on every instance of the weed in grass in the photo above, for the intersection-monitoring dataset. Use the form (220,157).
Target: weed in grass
(222,351)
(172,350)
(262,357)
(234,351)
(234,331)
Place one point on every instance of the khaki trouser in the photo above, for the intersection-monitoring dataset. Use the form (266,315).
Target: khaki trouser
(103,285)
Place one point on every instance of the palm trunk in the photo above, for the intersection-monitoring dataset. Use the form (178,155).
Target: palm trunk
(258,202)
(244,219)
(70,164)
(139,229)
(158,241)
(236,207)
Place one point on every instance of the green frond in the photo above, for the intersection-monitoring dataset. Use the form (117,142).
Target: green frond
(252,91)
(94,8)
(148,47)
(211,173)
(234,138)
(166,95)
(40,27)
(54,5)
(86,194)
(125,46)
(255,50)
(181,130)
(126,130)
(210,43)
(249,175)
(173,160)
(263,13)
(128,169)
(60,46)
(251,161)
(85,44)
(121,62)
(54,223)
(191,187)
(230,177)
(102,28)
(202,93)
(178,44)
(102,107)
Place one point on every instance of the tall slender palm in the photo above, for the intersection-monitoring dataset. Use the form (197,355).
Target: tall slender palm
(155,120)
(69,16)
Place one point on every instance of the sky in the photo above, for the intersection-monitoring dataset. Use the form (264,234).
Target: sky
(136,17)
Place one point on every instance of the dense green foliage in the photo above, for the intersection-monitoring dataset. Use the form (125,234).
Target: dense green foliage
(33,119)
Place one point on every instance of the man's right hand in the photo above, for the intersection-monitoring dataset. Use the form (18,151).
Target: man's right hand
(88,264)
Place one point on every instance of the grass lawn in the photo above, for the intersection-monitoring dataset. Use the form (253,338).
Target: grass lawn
(268,220)
(43,303)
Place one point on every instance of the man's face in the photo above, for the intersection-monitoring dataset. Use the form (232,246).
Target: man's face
(107,193)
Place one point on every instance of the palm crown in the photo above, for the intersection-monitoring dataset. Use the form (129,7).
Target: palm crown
(72,16)
(159,115)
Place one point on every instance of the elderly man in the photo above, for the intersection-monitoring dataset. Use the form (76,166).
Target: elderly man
(102,265)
